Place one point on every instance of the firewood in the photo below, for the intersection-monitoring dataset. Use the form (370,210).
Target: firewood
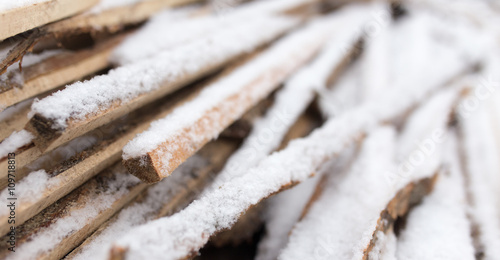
(59,70)
(19,19)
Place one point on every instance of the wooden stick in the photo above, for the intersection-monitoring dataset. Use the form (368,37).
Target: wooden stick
(59,70)
(214,153)
(24,18)
(90,192)
(114,19)
(153,169)
(88,163)
(16,121)
(110,20)
(399,206)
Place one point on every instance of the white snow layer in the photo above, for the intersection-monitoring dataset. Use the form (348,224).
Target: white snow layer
(170,29)
(290,102)
(139,212)
(29,189)
(438,228)
(282,52)
(283,211)
(483,166)
(45,240)
(82,99)
(15,141)
(180,234)
(340,224)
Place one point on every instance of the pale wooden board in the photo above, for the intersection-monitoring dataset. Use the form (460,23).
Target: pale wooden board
(270,80)
(87,167)
(59,70)
(21,19)
(115,18)
(91,190)
(216,153)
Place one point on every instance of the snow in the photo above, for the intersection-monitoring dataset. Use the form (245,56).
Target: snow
(289,103)
(438,228)
(343,94)
(482,167)
(98,246)
(177,30)
(186,231)
(282,52)
(421,141)
(15,141)
(282,212)
(385,247)
(7,5)
(46,239)
(166,30)
(341,222)
(83,99)
(29,189)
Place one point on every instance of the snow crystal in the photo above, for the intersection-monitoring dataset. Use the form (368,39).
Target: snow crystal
(15,141)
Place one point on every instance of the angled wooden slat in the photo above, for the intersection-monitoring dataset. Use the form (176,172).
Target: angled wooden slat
(175,193)
(27,17)
(59,70)
(52,133)
(88,163)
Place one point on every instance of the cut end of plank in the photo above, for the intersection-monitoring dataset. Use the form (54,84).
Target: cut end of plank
(117,253)
(142,168)
(45,134)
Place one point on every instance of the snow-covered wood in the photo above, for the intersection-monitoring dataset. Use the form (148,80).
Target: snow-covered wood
(82,106)
(439,227)
(164,198)
(292,165)
(57,230)
(85,163)
(154,154)
(289,103)
(45,74)
(19,16)
(15,141)
(481,167)
(341,222)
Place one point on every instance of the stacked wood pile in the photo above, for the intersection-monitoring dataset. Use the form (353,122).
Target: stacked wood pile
(265,129)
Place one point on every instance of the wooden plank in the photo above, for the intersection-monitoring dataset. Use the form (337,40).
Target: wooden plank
(59,70)
(24,18)
(214,153)
(111,20)
(48,137)
(35,231)
(233,105)
(87,164)
(16,121)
